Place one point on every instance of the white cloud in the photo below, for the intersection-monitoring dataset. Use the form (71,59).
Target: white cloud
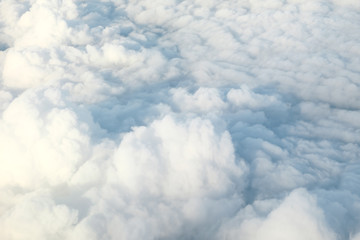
(245,98)
(203,100)
(36,216)
(179,119)
(35,133)
(297,217)
(31,64)
(202,166)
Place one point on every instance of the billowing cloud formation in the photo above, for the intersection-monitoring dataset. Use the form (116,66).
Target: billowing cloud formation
(179,119)
(297,217)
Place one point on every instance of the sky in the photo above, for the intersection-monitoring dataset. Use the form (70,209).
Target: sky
(179,119)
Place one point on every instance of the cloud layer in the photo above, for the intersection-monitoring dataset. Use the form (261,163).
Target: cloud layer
(179,119)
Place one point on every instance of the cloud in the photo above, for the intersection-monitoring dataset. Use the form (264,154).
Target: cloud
(203,100)
(31,62)
(297,217)
(34,132)
(191,170)
(151,170)
(179,119)
(36,216)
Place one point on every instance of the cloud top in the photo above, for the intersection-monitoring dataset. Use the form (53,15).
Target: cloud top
(179,119)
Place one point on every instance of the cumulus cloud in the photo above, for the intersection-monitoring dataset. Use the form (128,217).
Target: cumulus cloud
(179,119)
(297,217)
(36,216)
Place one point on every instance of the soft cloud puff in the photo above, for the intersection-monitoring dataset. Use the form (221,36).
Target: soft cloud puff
(179,119)
(203,100)
(188,185)
(297,217)
(32,71)
(36,216)
(203,165)
(34,132)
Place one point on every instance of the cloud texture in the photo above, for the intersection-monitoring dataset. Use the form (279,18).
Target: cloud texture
(180,119)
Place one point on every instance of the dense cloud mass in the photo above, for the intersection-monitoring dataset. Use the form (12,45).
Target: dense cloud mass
(177,119)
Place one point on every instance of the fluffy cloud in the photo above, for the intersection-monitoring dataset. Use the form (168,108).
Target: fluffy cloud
(203,165)
(36,216)
(37,129)
(179,119)
(297,217)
